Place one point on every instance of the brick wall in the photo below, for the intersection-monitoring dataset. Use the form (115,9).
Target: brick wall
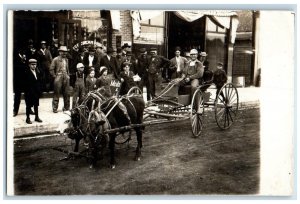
(126,28)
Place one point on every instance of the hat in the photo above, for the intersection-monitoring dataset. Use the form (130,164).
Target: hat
(110,50)
(119,49)
(177,48)
(128,53)
(142,50)
(203,54)
(32,61)
(63,48)
(91,49)
(125,45)
(220,64)
(43,42)
(126,63)
(187,54)
(193,51)
(79,65)
(102,69)
(153,49)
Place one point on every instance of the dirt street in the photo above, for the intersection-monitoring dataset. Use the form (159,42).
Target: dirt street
(173,163)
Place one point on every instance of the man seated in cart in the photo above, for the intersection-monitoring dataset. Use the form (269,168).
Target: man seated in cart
(192,73)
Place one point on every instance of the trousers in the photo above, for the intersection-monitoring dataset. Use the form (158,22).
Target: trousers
(61,85)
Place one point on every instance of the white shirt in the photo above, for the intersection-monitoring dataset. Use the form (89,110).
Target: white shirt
(91,58)
(178,63)
(34,73)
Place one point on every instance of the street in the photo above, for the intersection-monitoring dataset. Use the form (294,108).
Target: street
(173,163)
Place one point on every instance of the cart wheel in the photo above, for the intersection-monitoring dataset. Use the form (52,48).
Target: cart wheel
(197,112)
(226,106)
(134,91)
(123,138)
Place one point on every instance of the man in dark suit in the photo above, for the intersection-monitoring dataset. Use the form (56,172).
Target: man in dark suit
(141,68)
(32,91)
(110,63)
(91,60)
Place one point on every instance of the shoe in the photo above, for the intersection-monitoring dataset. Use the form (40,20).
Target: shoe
(54,111)
(15,114)
(31,112)
(28,121)
(65,109)
(38,120)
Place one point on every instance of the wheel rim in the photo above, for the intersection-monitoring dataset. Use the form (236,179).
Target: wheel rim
(196,113)
(226,106)
(134,91)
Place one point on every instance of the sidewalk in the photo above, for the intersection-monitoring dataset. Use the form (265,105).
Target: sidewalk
(248,97)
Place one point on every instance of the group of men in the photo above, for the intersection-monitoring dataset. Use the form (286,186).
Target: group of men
(149,68)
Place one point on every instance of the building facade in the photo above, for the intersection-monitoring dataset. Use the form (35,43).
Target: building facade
(211,31)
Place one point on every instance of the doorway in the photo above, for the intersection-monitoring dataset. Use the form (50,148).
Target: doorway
(187,35)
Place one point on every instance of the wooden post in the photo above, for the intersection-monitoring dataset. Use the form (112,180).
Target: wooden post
(229,54)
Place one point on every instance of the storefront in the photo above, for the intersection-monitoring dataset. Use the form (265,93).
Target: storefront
(65,26)
(206,30)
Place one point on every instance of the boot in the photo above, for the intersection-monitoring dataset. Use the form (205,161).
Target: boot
(37,119)
(28,121)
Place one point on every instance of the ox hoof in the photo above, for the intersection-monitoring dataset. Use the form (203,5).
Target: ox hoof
(137,158)
(91,166)
(113,166)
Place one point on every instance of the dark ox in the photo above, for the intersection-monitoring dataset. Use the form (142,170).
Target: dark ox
(89,122)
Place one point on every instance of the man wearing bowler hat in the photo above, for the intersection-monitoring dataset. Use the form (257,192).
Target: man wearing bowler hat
(59,70)
(32,91)
(125,49)
(156,65)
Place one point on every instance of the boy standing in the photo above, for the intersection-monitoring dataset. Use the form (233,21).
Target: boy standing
(219,78)
(126,79)
(79,89)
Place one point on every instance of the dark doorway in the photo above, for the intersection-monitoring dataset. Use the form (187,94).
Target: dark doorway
(187,35)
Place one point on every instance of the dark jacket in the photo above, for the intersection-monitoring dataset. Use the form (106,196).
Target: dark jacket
(142,66)
(156,63)
(86,64)
(32,88)
(111,65)
(219,78)
(128,82)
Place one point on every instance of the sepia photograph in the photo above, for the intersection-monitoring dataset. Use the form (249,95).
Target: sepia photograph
(149,102)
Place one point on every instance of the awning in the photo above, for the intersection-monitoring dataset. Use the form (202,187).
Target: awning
(223,18)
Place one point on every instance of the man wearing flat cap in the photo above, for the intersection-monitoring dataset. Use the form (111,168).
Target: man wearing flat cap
(44,62)
(110,63)
(177,64)
(32,91)
(156,65)
(59,70)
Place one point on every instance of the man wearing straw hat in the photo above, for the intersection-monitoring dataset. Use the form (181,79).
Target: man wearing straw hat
(59,70)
